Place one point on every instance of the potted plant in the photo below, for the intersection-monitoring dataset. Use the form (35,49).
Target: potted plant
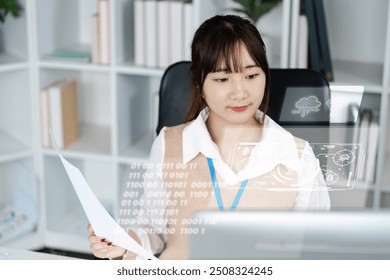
(12,7)
(255,9)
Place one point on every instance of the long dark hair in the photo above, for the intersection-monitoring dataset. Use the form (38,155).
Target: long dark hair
(217,42)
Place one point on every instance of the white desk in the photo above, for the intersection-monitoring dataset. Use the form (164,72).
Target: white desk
(19,254)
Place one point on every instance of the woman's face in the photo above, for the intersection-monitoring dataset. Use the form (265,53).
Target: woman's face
(233,98)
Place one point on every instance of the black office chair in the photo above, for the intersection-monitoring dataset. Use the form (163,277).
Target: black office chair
(299,100)
(174,95)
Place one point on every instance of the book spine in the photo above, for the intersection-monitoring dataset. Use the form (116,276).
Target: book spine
(70,123)
(162,34)
(45,117)
(314,55)
(188,30)
(104,31)
(150,23)
(373,135)
(95,38)
(56,114)
(323,40)
(294,34)
(303,42)
(176,31)
(139,33)
(363,138)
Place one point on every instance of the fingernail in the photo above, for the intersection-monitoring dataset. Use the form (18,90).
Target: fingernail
(103,240)
(109,243)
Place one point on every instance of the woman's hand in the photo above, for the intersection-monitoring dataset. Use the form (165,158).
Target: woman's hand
(103,248)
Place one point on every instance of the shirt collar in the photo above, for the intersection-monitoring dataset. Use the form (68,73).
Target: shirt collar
(197,139)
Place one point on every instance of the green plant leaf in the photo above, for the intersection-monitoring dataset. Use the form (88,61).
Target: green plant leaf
(9,6)
(255,9)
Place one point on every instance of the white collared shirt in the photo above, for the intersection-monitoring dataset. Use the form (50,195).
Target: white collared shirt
(276,146)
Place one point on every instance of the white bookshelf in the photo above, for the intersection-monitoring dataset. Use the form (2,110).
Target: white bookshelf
(117,102)
(360,54)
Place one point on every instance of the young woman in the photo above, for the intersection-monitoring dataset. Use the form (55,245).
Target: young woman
(228,154)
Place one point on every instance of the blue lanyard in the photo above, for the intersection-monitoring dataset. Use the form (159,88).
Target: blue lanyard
(218,193)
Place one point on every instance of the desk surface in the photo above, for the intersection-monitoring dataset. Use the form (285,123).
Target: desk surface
(20,254)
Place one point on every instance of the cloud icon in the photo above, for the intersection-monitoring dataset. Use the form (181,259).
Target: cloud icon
(306,105)
(311,101)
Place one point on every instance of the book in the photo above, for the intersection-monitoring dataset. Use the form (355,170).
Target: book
(63,112)
(294,33)
(303,42)
(188,30)
(139,31)
(325,57)
(45,113)
(314,52)
(363,140)
(73,54)
(162,34)
(95,38)
(150,39)
(45,117)
(104,31)
(373,136)
(175,31)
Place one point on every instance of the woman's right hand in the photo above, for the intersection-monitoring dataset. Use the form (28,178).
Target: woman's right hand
(103,248)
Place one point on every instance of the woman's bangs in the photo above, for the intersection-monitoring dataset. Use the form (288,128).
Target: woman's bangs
(229,57)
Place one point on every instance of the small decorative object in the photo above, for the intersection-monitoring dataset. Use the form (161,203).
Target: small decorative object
(255,9)
(12,7)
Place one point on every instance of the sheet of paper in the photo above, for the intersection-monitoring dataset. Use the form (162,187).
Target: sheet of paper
(102,223)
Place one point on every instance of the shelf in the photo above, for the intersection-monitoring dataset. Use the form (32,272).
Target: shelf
(140,148)
(93,139)
(12,149)
(13,67)
(9,62)
(118,103)
(67,242)
(72,230)
(128,68)
(31,241)
(58,65)
(94,142)
(368,75)
(74,222)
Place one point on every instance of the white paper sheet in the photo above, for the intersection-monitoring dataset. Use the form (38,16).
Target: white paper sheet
(102,223)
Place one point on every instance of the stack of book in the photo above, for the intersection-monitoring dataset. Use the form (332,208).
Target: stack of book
(59,112)
(163,32)
(100,31)
(319,51)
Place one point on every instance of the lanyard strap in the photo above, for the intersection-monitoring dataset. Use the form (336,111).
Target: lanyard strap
(217,191)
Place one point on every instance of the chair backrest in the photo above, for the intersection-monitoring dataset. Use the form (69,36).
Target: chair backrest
(174,95)
(298,98)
